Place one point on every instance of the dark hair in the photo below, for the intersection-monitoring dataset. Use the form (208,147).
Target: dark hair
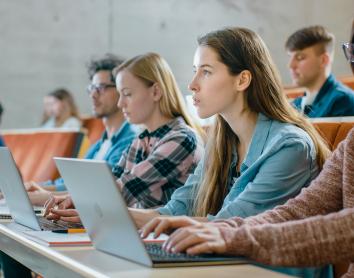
(310,36)
(1,109)
(64,95)
(108,62)
(352,33)
(352,41)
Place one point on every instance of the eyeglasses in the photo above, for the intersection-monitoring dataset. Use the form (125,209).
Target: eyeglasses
(99,88)
(348,49)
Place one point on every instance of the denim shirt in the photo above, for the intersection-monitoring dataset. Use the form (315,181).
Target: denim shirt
(281,159)
(120,142)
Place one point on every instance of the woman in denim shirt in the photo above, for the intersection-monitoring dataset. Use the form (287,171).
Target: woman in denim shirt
(260,152)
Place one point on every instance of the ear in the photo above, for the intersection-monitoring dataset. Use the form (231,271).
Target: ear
(325,59)
(243,80)
(157,92)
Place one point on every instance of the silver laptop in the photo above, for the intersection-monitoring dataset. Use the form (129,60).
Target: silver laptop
(108,223)
(16,197)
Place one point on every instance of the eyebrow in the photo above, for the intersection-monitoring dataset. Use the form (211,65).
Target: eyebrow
(203,66)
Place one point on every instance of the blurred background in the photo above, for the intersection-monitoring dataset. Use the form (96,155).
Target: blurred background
(47,44)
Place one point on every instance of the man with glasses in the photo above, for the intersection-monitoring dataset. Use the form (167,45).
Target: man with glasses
(118,133)
(311,55)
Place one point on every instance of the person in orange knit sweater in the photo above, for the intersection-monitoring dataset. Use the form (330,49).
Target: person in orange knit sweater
(313,229)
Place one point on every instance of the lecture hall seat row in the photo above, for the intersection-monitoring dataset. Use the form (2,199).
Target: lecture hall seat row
(33,150)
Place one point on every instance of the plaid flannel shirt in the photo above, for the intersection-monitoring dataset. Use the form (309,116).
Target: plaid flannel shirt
(157,163)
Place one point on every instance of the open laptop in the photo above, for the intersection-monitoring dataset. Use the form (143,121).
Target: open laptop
(17,199)
(106,218)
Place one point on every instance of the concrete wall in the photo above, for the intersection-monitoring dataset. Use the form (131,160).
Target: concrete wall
(46,44)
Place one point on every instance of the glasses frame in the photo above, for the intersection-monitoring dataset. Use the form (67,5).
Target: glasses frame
(100,88)
(348,49)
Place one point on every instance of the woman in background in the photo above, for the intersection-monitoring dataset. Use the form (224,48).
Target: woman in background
(60,110)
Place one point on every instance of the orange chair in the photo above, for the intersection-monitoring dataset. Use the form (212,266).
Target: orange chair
(347,80)
(328,131)
(94,127)
(293,92)
(33,151)
(333,132)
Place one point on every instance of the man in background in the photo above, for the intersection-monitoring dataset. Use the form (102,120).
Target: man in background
(118,133)
(311,52)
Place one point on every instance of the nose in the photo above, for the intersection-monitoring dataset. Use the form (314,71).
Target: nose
(120,102)
(93,92)
(193,85)
(292,63)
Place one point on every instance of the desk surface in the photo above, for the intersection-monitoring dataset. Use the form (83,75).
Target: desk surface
(88,262)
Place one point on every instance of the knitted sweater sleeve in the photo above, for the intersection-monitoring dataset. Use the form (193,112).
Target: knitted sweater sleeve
(313,241)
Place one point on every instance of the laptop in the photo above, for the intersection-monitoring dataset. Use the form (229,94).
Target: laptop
(17,199)
(104,214)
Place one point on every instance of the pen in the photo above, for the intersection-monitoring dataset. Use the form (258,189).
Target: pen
(69,231)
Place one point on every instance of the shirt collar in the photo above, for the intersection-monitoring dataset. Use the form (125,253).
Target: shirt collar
(325,88)
(162,130)
(117,134)
(258,140)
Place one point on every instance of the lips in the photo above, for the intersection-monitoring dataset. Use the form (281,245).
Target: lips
(195,101)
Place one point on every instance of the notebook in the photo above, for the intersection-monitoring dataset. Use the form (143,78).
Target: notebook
(17,199)
(49,238)
(106,218)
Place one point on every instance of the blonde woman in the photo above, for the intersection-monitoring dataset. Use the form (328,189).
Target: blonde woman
(161,158)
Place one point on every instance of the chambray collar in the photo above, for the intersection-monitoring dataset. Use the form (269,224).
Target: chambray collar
(162,130)
(258,140)
(117,134)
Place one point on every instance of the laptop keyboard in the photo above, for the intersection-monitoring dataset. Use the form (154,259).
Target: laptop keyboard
(49,225)
(158,254)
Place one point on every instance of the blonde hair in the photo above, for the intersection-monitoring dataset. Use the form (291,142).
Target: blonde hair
(242,49)
(151,68)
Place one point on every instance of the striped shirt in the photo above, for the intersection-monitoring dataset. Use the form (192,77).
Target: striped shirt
(157,163)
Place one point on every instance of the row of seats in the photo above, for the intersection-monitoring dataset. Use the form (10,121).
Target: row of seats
(33,149)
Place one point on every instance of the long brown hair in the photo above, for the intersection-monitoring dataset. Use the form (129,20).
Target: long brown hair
(151,68)
(242,49)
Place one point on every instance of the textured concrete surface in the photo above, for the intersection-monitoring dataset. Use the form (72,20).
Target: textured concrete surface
(46,44)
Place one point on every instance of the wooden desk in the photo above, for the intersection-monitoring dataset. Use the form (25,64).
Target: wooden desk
(88,262)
